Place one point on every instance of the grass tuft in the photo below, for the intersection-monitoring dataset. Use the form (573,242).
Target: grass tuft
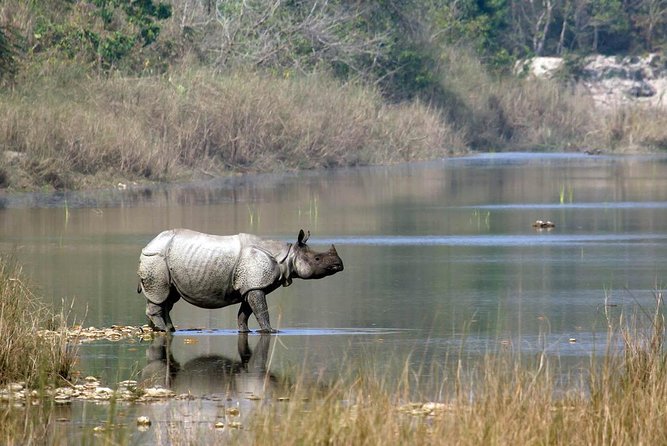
(27,360)
(25,356)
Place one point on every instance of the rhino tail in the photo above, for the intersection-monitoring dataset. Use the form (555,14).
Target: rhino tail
(139,286)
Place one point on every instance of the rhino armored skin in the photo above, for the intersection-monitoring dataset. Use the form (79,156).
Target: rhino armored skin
(214,271)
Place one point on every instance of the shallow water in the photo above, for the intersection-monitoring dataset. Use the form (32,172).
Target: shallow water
(439,257)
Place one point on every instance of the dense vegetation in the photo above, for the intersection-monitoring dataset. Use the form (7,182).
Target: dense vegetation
(99,90)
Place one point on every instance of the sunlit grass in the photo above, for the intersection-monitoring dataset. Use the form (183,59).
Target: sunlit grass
(26,358)
(503,399)
(196,122)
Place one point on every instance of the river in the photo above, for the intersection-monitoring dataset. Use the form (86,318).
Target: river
(439,257)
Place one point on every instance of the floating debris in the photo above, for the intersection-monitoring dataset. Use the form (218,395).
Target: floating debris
(540,224)
(143,421)
(233,411)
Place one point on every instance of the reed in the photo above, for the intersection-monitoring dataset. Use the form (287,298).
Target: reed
(26,358)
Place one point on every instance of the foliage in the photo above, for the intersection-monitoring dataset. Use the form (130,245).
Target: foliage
(103,33)
(396,45)
(448,58)
(7,56)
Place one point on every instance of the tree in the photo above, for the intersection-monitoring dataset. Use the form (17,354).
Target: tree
(650,22)
(531,21)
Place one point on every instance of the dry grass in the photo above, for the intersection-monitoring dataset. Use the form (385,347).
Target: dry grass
(508,113)
(620,399)
(26,357)
(89,129)
(64,129)
(633,128)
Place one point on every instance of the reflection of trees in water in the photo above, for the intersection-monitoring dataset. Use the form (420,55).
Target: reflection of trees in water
(211,374)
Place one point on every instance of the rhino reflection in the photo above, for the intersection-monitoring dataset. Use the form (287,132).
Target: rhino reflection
(211,374)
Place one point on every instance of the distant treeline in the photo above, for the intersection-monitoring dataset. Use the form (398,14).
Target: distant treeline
(399,45)
(150,89)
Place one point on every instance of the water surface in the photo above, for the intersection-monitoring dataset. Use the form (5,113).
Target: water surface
(439,257)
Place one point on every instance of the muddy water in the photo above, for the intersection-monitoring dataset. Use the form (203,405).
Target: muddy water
(438,257)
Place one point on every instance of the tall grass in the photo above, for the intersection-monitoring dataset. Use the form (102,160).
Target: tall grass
(66,129)
(160,128)
(509,113)
(27,358)
(504,399)
(633,128)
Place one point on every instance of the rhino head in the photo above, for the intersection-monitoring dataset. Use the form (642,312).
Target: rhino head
(308,264)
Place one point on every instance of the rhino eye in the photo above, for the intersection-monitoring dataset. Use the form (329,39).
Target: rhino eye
(317,258)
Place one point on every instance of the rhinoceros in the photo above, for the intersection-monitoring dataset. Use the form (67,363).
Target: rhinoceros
(214,271)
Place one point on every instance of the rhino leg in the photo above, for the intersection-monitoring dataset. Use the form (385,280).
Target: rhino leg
(158,315)
(242,319)
(256,300)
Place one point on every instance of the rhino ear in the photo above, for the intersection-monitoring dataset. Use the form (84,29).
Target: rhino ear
(303,238)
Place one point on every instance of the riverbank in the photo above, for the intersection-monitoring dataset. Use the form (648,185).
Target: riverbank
(104,131)
(99,95)
(70,131)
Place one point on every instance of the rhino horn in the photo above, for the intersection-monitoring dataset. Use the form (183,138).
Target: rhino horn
(303,237)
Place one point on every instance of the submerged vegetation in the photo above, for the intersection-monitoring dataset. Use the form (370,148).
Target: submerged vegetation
(95,92)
